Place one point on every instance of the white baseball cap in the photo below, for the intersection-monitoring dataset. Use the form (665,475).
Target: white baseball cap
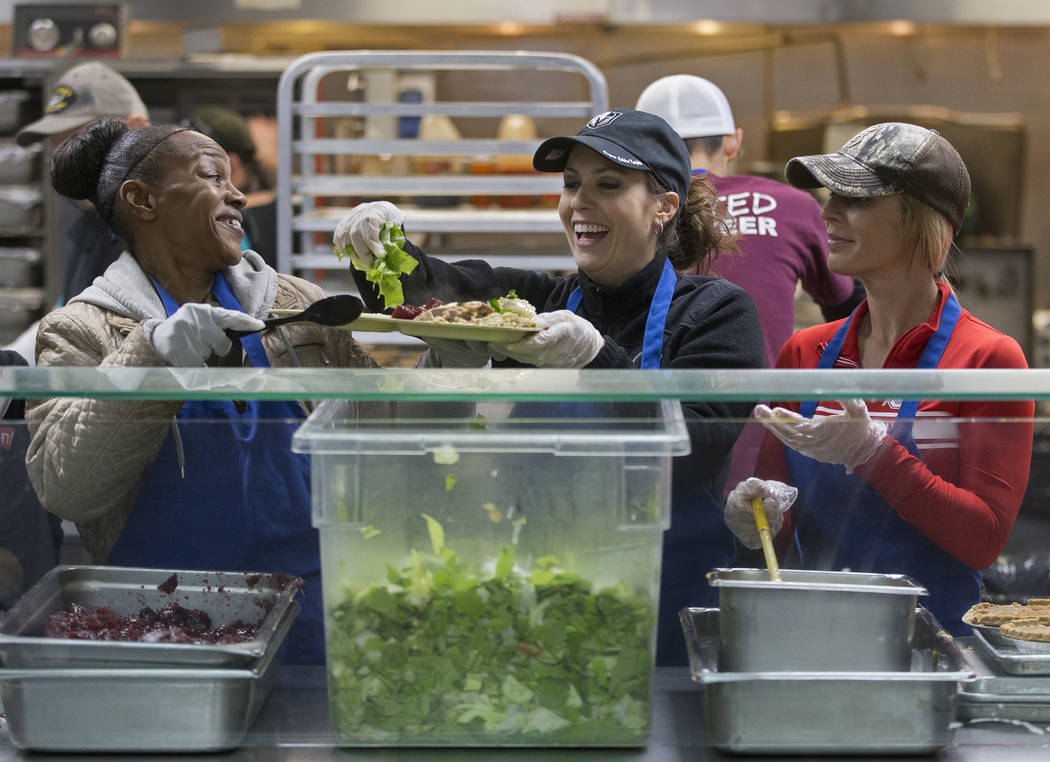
(693,106)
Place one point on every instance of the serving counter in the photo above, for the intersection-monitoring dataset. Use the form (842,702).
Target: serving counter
(295,724)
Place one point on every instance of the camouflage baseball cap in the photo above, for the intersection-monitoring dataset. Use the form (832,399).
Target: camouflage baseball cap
(887,158)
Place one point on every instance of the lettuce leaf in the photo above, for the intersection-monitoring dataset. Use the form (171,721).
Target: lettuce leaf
(387,270)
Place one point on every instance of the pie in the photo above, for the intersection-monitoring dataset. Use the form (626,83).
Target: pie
(995,615)
(1031,628)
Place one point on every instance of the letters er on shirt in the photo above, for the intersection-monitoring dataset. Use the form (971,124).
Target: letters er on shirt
(747,209)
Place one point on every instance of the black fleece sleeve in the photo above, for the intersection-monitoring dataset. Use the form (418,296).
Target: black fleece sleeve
(720,330)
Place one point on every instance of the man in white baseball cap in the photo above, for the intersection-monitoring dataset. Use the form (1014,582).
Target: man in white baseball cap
(782,235)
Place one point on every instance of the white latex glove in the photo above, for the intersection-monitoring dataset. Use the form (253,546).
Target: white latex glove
(776,497)
(565,340)
(456,353)
(849,438)
(195,332)
(360,228)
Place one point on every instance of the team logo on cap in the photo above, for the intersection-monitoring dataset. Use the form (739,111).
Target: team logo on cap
(62,98)
(601,120)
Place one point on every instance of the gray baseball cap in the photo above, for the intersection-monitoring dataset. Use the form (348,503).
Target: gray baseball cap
(887,158)
(83,94)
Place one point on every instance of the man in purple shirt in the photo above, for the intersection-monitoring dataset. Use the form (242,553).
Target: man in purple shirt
(782,236)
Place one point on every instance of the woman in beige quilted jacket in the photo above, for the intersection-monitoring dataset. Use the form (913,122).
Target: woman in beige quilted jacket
(168,484)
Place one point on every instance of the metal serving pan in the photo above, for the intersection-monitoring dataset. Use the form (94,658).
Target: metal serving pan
(815,620)
(138,710)
(894,712)
(999,695)
(1011,659)
(224,596)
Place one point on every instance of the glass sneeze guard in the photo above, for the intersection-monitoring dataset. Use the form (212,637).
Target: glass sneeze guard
(519,384)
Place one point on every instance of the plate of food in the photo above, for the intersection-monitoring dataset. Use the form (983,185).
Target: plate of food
(505,319)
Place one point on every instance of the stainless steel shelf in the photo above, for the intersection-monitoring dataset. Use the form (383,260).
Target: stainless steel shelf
(374,186)
(452,220)
(310,173)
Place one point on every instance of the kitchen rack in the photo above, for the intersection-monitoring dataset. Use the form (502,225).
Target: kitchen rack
(23,232)
(314,188)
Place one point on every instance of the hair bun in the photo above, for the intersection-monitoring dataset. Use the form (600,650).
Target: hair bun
(79,159)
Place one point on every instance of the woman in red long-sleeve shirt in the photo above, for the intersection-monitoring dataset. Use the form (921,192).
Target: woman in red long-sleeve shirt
(926,488)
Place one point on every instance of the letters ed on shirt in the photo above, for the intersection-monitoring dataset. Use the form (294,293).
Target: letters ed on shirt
(747,209)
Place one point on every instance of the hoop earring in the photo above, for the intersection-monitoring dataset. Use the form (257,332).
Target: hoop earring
(659,228)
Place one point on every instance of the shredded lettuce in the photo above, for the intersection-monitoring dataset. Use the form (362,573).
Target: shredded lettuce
(497,304)
(387,270)
(445,652)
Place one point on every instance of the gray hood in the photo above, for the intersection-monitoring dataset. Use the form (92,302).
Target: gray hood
(125,289)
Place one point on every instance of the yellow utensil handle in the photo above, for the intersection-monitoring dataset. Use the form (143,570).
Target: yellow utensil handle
(766,537)
(760,514)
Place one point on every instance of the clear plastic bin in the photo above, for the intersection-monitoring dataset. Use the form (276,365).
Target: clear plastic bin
(491,573)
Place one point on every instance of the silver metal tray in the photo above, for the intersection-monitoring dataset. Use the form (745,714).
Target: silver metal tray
(999,695)
(895,712)
(1011,659)
(224,596)
(992,679)
(1037,647)
(815,620)
(138,710)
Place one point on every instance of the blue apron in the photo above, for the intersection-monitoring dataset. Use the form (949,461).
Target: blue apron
(698,540)
(842,522)
(244,504)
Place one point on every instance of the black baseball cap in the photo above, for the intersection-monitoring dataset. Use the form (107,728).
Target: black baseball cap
(632,139)
(887,158)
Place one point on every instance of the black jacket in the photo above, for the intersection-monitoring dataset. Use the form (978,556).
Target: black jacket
(711,323)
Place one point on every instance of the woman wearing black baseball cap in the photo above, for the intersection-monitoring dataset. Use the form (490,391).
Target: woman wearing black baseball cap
(634,217)
(936,500)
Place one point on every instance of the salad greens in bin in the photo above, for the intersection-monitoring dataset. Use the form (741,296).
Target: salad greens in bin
(447,652)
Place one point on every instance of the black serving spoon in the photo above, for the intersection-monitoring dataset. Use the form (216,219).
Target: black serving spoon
(332,310)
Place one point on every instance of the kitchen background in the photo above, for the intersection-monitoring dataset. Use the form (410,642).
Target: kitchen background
(801,76)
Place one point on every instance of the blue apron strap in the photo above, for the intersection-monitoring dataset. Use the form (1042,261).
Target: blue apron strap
(574,300)
(931,355)
(653,342)
(252,344)
(827,360)
(653,339)
(170,305)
